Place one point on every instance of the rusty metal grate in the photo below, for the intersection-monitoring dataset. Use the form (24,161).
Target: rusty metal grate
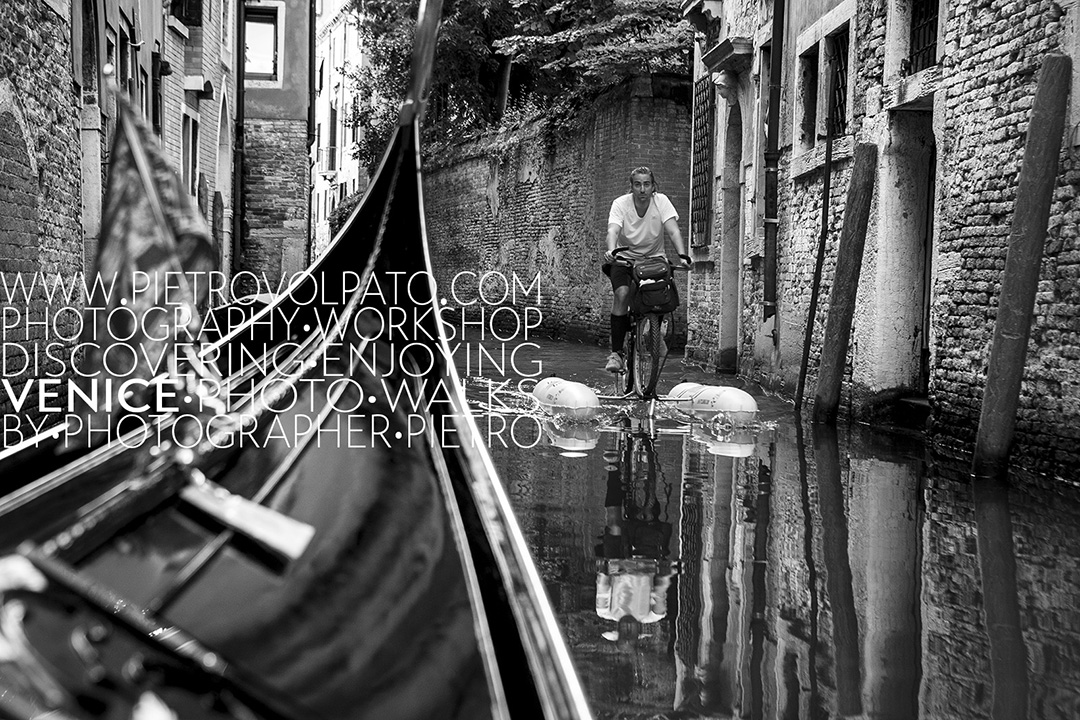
(839,97)
(701,179)
(923,47)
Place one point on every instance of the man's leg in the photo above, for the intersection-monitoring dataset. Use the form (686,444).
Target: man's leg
(620,319)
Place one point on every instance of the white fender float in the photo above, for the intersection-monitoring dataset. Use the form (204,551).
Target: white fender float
(737,445)
(708,401)
(565,397)
(574,439)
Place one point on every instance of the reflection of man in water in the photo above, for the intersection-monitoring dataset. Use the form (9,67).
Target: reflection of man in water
(633,571)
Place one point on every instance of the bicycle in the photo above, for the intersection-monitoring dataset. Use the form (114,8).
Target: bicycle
(646,344)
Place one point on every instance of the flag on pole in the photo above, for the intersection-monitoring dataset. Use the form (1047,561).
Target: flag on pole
(153,264)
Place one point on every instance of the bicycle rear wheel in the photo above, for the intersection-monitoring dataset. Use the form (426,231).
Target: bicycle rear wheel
(649,353)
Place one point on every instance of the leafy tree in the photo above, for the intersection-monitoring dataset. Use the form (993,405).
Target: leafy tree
(574,50)
(465,79)
(497,60)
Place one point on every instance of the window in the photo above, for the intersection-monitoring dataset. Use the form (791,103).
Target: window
(144,92)
(261,43)
(123,70)
(331,149)
(156,71)
(188,12)
(702,161)
(922,52)
(354,122)
(823,86)
(838,49)
(808,94)
(226,27)
(190,160)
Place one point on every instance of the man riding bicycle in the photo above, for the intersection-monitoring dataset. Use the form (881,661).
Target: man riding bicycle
(637,221)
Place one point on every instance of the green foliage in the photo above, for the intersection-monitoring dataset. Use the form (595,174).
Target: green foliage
(464,86)
(560,55)
(577,49)
(344,209)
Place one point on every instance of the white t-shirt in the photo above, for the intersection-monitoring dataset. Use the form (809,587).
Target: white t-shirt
(644,235)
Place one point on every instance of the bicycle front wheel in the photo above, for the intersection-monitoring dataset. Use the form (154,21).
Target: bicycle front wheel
(649,353)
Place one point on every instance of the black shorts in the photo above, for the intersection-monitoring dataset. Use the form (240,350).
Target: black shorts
(621,275)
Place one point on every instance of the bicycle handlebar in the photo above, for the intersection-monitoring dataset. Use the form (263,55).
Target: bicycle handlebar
(630,263)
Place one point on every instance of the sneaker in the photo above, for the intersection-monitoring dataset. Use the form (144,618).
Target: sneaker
(615,363)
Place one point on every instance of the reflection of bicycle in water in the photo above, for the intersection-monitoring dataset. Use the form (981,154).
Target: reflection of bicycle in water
(653,300)
(633,567)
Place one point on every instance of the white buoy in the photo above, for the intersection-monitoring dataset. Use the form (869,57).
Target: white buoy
(684,389)
(565,397)
(738,445)
(574,440)
(739,406)
(709,401)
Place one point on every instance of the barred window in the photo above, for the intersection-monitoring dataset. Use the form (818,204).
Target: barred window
(924,27)
(701,180)
(838,46)
(808,92)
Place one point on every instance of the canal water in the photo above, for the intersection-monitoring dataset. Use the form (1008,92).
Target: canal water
(780,570)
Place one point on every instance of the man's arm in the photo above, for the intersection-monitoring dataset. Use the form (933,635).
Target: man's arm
(613,230)
(671,226)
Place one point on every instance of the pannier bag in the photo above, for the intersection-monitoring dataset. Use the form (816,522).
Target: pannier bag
(655,290)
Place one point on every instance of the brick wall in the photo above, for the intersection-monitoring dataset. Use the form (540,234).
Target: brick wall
(39,180)
(276,198)
(508,204)
(993,54)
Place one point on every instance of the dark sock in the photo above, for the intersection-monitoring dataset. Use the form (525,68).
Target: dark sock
(620,325)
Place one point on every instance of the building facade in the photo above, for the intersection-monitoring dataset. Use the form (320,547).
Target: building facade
(337,174)
(175,65)
(943,90)
(277,134)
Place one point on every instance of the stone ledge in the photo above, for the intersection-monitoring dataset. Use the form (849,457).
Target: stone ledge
(915,92)
(814,158)
(178,27)
(734,54)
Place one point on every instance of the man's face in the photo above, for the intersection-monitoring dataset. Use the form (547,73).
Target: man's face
(642,187)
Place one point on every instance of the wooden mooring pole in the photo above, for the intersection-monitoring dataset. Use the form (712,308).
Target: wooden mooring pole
(845,284)
(823,237)
(1031,213)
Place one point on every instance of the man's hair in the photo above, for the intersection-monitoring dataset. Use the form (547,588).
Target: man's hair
(642,171)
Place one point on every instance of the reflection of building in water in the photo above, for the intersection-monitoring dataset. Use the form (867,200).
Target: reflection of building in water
(709,617)
(978,619)
(800,588)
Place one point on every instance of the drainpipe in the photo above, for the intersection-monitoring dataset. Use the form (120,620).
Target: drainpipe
(238,145)
(309,250)
(772,163)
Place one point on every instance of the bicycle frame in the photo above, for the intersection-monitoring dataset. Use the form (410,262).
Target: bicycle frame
(645,348)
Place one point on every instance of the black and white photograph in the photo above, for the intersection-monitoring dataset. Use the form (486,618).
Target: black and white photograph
(553,359)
